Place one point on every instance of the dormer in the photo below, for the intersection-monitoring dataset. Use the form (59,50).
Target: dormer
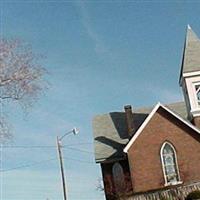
(190,75)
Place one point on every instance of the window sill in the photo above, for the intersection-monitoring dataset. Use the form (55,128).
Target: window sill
(173,183)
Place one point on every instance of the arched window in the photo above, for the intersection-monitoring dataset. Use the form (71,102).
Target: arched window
(118,177)
(169,164)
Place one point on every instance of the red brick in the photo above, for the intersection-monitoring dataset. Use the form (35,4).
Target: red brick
(144,154)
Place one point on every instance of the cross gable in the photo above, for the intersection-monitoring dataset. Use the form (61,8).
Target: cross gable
(150,116)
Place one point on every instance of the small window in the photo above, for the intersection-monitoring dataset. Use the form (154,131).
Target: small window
(118,177)
(169,162)
(197,90)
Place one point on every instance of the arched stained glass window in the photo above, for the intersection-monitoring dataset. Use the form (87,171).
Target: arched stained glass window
(118,177)
(169,162)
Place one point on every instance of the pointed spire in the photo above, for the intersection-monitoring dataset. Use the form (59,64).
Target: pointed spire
(191,53)
(191,35)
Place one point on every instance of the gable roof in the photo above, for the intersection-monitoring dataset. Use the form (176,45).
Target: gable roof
(191,52)
(159,105)
(111,134)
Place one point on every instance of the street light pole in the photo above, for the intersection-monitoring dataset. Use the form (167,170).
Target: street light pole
(61,167)
(58,143)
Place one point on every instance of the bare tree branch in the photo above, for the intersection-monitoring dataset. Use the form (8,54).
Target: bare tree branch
(21,75)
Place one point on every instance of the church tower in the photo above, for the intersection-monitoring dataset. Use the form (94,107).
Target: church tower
(190,76)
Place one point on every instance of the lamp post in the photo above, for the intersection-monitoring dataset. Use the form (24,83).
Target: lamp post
(59,145)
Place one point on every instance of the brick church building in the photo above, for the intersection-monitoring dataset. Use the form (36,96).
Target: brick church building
(151,153)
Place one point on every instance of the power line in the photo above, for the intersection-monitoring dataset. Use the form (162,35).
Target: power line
(52,146)
(29,147)
(44,161)
(84,151)
(79,160)
(42,146)
(27,165)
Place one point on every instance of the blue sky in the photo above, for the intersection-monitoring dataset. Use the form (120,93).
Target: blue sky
(100,56)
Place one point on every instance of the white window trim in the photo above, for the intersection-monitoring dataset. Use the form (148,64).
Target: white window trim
(163,166)
(191,82)
(195,92)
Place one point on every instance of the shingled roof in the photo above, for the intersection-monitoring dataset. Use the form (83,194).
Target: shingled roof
(111,135)
(191,52)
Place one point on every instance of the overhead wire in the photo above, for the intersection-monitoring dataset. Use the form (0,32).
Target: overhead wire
(44,161)
(43,146)
(84,151)
(50,146)
(53,146)
(27,165)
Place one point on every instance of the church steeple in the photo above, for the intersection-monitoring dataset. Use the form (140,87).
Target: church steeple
(191,54)
(190,74)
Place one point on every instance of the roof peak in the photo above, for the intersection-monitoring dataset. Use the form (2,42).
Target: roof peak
(191,35)
(146,121)
(191,52)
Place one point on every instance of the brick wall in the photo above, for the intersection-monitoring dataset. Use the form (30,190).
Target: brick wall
(144,154)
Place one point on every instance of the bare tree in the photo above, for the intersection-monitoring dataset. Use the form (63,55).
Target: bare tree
(21,77)
(100,186)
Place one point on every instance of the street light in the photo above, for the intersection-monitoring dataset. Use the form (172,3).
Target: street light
(59,145)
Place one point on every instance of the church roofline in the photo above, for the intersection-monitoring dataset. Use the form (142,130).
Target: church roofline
(146,121)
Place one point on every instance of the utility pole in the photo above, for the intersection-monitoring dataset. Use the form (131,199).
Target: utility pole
(59,146)
(61,167)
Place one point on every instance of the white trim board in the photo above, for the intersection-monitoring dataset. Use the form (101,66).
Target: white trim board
(185,75)
(146,121)
(188,74)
